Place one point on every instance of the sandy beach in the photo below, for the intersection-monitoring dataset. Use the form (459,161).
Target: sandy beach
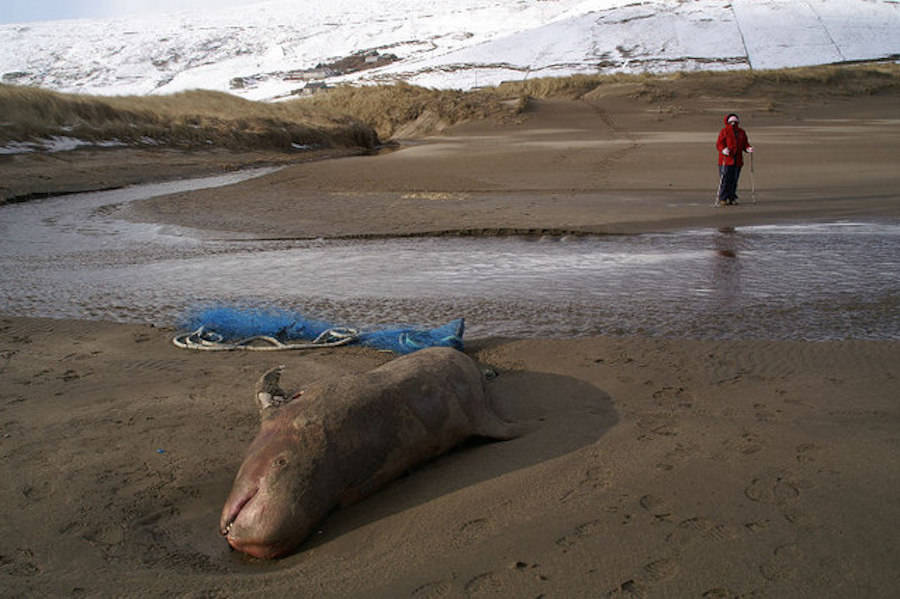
(650,467)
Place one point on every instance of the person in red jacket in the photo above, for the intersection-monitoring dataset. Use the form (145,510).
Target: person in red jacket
(731,144)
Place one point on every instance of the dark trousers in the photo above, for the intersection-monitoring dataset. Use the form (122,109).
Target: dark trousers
(728,182)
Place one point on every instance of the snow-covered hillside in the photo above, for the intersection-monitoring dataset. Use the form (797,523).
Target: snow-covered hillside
(277,47)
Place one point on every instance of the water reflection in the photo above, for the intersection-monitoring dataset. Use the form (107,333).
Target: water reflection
(726,268)
(726,242)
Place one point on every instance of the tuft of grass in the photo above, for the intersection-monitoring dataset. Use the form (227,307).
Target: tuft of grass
(344,116)
(848,79)
(388,108)
(572,87)
(187,120)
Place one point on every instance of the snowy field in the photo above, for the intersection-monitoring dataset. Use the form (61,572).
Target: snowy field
(273,48)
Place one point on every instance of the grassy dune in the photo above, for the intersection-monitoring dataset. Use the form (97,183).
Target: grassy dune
(346,116)
(189,120)
(360,116)
(403,110)
(848,80)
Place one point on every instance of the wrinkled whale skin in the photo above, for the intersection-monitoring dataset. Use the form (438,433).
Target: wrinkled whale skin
(340,440)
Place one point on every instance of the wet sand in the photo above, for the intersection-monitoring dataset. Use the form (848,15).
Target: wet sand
(651,467)
(611,165)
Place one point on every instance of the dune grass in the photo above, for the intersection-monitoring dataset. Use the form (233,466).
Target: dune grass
(187,120)
(392,108)
(848,79)
(360,116)
(345,116)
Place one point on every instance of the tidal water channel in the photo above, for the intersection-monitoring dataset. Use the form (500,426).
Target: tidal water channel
(71,257)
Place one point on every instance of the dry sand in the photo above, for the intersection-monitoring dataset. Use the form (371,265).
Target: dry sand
(652,467)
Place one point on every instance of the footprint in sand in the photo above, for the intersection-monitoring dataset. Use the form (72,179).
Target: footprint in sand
(14,399)
(501,583)
(656,427)
(473,530)
(618,515)
(673,398)
(595,479)
(806,453)
(20,562)
(631,589)
(782,492)
(524,567)
(581,531)
(757,526)
(431,590)
(747,444)
(37,492)
(483,584)
(590,528)
(764,414)
(775,489)
(783,563)
(71,375)
(678,453)
(661,569)
(41,374)
(800,518)
(703,529)
(642,584)
(656,506)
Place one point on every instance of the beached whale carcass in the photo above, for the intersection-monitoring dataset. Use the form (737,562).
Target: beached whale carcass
(340,440)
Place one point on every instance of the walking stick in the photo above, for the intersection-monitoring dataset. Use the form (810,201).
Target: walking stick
(719,188)
(752,181)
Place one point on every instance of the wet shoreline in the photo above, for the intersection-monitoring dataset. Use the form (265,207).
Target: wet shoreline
(727,283)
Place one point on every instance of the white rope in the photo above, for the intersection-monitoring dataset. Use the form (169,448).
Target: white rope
(204,340)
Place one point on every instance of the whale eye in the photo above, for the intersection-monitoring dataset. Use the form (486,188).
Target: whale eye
(281,461)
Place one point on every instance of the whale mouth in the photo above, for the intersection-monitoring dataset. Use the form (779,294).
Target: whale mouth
(235,511)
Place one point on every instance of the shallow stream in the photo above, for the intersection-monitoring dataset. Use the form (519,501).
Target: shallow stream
(72,257)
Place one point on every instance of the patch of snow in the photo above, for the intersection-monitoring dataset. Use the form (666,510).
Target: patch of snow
(56,143)
(267,46)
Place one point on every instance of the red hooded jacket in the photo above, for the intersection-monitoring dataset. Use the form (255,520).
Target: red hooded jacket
(735,139)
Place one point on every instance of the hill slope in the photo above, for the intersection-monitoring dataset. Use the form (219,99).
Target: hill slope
(277,47)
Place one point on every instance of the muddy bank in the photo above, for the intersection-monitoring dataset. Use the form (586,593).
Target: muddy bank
(34,175)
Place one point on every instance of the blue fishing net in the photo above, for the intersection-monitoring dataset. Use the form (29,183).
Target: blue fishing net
(406,341)
(234,323)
